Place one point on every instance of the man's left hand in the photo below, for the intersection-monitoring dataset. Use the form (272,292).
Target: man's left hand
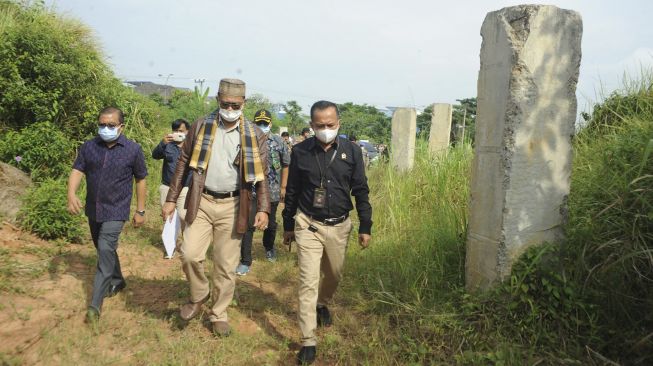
(364,240)
(138,220)
(282,194)
(261,220)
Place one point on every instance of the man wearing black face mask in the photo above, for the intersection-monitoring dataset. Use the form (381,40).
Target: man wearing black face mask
(278,161)
(325,171)
(110,162)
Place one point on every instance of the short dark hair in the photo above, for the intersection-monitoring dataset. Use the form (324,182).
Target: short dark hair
(112,110)
(284,134)
(178,122)
(322,105)
(352,138)
(306,130)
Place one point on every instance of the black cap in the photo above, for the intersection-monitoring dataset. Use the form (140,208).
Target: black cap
(262,116)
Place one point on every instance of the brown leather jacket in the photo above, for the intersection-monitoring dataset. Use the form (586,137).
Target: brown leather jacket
(197,182)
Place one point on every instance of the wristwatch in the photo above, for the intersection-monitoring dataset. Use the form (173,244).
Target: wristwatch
(142,213)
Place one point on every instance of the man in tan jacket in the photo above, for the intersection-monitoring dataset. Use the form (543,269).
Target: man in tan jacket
(226,156)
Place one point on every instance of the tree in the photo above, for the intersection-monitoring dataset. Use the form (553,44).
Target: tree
(365,122)
(257,102)
(466,111)
(424,122)
(294,119)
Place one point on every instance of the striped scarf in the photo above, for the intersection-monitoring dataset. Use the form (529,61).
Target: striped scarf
(250,155)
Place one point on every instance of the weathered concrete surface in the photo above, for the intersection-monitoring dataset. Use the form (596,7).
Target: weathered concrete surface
(14,183)
(530,58)
(440,127)
(404,128)
(282,129)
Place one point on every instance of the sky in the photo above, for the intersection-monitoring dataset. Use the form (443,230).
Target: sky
(384,53)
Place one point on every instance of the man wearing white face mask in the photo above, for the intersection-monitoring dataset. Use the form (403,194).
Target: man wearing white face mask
(278,161)
(110,163)
(325,171)
(169,150)
(225,155)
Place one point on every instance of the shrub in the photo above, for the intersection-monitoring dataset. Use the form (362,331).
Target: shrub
(44,212)
(42,150)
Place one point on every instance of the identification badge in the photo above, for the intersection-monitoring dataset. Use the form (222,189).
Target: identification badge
(319,198)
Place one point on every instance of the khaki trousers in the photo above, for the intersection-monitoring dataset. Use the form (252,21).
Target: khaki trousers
(163,192)
(321,251)
(215,224)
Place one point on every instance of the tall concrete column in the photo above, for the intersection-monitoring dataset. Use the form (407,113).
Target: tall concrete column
(440,127)
(404,129)
(530,58)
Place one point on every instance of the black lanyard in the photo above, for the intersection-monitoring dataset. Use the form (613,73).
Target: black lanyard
(323,173)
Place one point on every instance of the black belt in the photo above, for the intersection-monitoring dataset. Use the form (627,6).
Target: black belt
(221,195)
(330,221)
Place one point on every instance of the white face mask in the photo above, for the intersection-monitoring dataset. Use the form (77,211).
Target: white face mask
(264,128)
(326,135)
(230,115)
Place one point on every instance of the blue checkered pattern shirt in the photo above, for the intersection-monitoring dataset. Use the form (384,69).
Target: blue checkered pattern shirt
(109,177)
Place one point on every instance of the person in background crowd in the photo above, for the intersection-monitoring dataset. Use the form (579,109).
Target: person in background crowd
(306,133)
(286,139)
(278,161)
(169,149)
(325,171)
(110,162)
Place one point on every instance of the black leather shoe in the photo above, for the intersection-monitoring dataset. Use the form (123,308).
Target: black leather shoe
(323,316)
(114,289)
(306,355)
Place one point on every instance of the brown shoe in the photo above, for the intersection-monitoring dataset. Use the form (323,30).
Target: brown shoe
(221,329)
(190,310)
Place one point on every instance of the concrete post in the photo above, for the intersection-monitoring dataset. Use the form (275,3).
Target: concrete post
(530,58)
(440,127)
(404,129)
(282,129)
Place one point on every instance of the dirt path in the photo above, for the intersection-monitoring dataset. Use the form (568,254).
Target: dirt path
(46,287)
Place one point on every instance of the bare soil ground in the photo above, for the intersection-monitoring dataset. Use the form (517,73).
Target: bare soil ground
(45,288)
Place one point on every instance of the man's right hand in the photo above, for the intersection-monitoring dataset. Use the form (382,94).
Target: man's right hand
(74,205)
(288,237)
(167,138)
(167,210)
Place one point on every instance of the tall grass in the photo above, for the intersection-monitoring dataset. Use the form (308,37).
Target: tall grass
(610,232)
(420,217)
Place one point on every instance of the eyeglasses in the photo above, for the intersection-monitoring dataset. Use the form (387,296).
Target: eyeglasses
(262,124)
(234,106)
(109,125)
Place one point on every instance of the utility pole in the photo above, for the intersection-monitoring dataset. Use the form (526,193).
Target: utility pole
(464,116)
(201,82)
(165,86)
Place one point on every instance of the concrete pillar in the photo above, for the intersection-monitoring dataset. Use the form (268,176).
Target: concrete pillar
(282,129)
(530,57)
(404,129)
(440,127)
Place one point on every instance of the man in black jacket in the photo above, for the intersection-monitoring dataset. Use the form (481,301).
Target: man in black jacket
(325,171)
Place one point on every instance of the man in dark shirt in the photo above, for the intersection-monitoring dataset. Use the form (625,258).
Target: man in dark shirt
(324,172)
(110,163)
(169,149)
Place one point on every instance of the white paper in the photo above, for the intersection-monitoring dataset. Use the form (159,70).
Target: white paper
(170,232)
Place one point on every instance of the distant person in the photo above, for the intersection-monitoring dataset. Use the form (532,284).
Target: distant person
(286,140)
(169,149)
(366,159)
(278,161)
(226,156)
(110,162)
(306,133)
(325,171)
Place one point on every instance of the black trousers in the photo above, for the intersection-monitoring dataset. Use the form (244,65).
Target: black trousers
(105,238)
(268,237)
